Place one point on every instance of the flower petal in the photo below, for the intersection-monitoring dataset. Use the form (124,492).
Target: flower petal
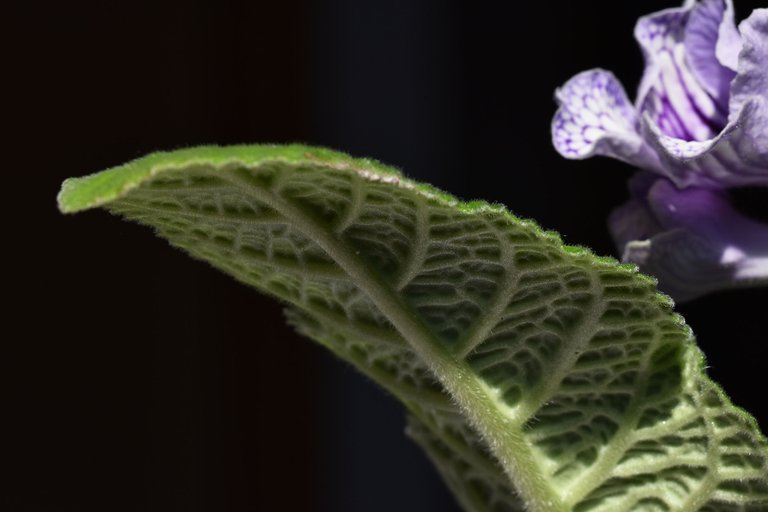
(685,265)
(634,220)
(729,40)
(738,156)
(703,211)
(752,78)
(712,45)
(703,244)
(596,118)
(670,93)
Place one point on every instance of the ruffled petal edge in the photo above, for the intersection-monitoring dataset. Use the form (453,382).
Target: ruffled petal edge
(738,156)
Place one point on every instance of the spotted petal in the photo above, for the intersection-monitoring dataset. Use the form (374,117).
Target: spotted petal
(702,244)
(596,118)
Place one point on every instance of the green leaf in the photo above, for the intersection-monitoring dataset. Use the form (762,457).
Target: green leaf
(537,376)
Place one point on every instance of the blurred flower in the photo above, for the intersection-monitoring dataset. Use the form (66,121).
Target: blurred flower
(699,126)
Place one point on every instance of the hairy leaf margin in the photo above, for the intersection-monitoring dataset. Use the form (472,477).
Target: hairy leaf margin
(488,414)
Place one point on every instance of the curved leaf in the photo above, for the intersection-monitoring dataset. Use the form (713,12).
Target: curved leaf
(537,376)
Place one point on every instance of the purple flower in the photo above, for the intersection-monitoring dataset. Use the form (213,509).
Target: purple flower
(699,126)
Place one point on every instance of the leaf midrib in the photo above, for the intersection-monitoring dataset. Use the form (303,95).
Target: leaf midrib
(506,441)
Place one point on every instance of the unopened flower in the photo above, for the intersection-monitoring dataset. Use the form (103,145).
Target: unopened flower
(699,126)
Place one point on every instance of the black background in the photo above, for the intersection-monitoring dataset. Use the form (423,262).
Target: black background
(137,379)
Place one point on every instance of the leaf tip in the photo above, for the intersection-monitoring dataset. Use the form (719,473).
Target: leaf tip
(68,200)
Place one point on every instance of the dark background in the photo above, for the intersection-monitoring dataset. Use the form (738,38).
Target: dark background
(137,379)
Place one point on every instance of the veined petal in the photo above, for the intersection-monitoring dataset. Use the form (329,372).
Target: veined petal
(712,45)
(656,33)
(738,156)
(752,78)
(670,93)
(702,244)
(596,118)
(729,40)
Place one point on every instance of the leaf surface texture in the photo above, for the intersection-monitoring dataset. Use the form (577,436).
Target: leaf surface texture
(537,376)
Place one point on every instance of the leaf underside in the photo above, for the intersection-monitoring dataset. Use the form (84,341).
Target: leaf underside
(536,376)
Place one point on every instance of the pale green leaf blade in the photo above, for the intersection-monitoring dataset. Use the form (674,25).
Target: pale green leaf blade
(537,375)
